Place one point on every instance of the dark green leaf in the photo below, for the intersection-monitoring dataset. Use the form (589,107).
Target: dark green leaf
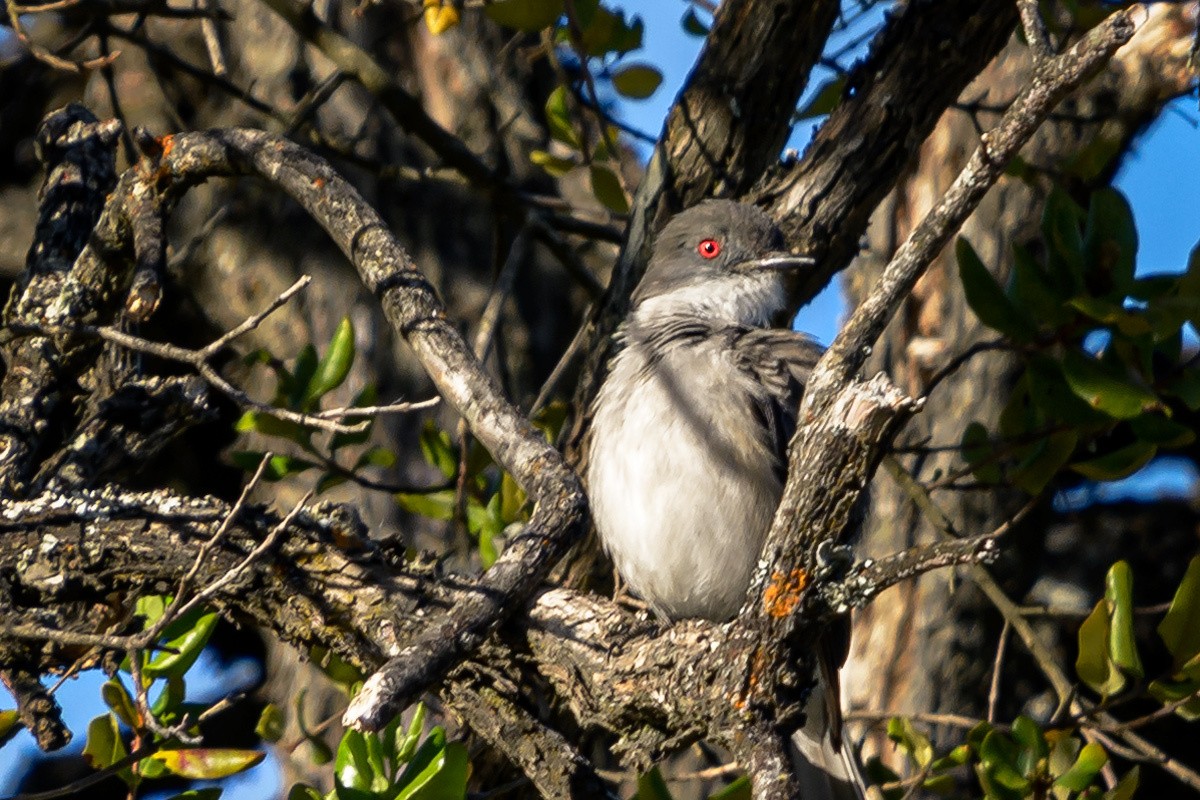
(1186,386)
(525,15)
(1032,744)
(1110,242)
(300,791)
(986,298)
(512,500)
(739,789)
(1157,429)
(1033,290)
(607,189)
(692,24)
(637,81)
(1092,759)
(1044,460)
(438,450)
(1118,464)
(269,425)
(1061,219)
(1106,390)
(1180,628)
(295,387)
(999,756)
(652,786)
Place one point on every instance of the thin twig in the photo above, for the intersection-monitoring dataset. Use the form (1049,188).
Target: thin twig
(997,666)
(1034,28)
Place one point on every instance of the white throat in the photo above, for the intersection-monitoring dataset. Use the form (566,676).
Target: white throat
(738,299)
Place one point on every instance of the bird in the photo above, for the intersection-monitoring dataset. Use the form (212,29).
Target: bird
(689,434)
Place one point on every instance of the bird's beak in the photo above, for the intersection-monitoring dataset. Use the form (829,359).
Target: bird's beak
(780,262)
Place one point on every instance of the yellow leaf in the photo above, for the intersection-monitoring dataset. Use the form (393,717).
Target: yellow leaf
(440,16)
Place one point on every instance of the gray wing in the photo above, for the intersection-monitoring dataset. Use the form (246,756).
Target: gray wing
(780,361)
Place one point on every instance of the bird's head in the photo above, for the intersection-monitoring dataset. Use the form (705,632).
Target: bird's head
(719,259)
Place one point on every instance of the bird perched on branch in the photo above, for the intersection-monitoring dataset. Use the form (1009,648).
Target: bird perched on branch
(690,431)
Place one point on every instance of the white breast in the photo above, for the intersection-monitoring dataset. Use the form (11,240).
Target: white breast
(681,479)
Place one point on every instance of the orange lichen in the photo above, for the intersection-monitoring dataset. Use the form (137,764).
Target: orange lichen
(783,592)
(166,142)
(319,183)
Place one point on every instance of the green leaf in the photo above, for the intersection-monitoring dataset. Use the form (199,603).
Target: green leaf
(512,500)
(444,777)
(271,723)
(901,731)
(1061,219)
(211,793)
(301,791)
(1044,460)
(525,15)
(652,786)
(1174,691)
(1110,242)
(434,505)
(407,746)
(1050,393)
(354,773)
(637,81)
(104,745)
(438,450)
(978,451)
(1032,290)
(10,725)
(1118,464)
(117,698)
(1186,386)
(1180,628)
(553,165)
(1093,666)
(1033,748)
(692,24)
(1122,646)
(207,763)
(607,189)
(1157,429)
(295,386)
(335,364)
(170,700)
(1103,389)
(278,468)
(1092,759)
(1125,788)
(187,636)
(1063,751)
(824,101)
(999,756)
(986,298)
(558,119)
(376,457)
(269,425)
(739,789)
(608,32)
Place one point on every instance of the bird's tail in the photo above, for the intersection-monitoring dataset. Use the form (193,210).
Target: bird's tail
(825,766)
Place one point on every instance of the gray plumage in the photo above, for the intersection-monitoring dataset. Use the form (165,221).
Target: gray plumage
(690,429)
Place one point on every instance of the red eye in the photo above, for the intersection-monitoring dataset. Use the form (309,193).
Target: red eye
(709,248)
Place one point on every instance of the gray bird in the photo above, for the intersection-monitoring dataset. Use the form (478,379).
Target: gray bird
(690,431)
